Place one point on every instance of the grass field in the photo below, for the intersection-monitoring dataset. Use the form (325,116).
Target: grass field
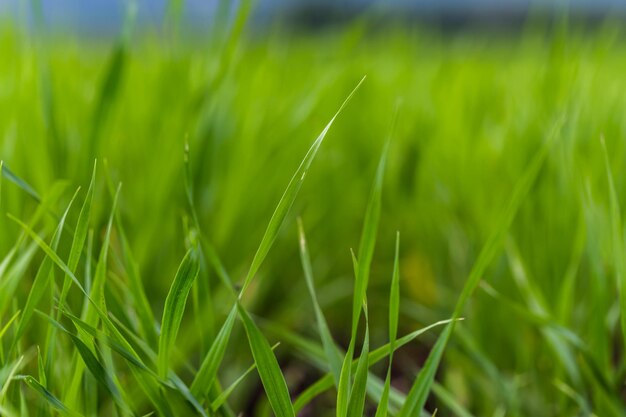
(152,189)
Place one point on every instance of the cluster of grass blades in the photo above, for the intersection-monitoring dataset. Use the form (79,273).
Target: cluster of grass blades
(105,354)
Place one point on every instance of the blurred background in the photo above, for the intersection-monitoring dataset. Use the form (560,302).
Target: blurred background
(106,18)
(478,85)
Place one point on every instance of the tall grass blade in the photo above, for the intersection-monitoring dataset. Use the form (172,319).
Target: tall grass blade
(10,176)
(333,357)
(175,307)
(267,365)
(362,269)
(80,236)
(49,397)
(211,362)
(7,325)
(287,199)
(42,279)
(7,382)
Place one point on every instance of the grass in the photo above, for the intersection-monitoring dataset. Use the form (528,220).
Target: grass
(176,234)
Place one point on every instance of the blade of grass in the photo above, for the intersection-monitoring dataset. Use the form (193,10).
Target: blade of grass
(95,310)
(11,176)
(333,357)
(267,365)
(80,236)
(48,396)
(366,252)
(287,199)
(8,324)
(12,372)
(211,362)
(175,307)
(271,232)
(41,281)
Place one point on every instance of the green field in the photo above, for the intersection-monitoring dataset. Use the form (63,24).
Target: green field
(154,281)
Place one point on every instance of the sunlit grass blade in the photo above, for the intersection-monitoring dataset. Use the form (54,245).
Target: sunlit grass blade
(12,371)
(267,365)
(80,235)
(287,199)
(175,307)
(418,394)
(7,325)
(362,269)
(91,314)
(9,175)
(332,355)
(12,277)
(95,310)
(49,397)
(394,313)
(42,279)
(211,362)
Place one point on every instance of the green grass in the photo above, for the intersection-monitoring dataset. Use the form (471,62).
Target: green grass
(177,237)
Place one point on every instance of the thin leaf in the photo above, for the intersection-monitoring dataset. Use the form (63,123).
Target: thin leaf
(48,396)
(8,324)
(175,307)
(42,279)
(333,357)
(289,196)
(12,372)
(362,269)
(211,362)
(9,175)
(80,235)
(267,365)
